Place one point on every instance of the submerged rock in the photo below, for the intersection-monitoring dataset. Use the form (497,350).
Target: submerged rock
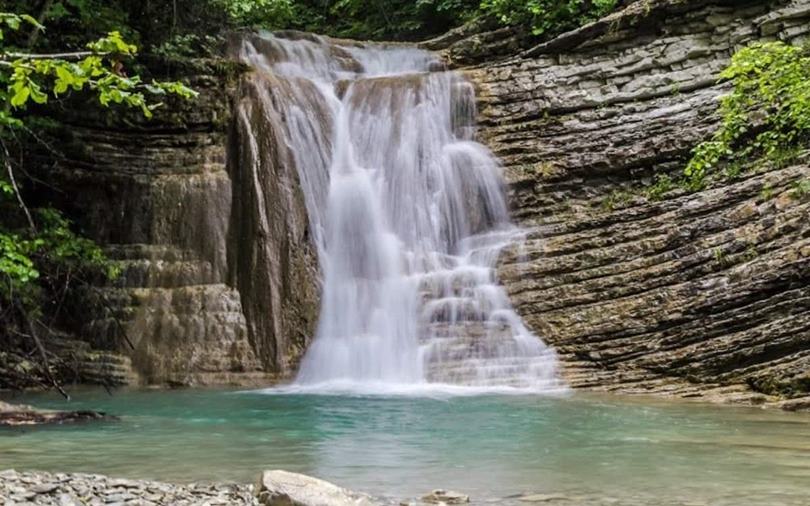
(441,496)
(542,498)
(283,488)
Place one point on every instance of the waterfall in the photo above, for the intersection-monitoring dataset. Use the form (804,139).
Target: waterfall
(408,215)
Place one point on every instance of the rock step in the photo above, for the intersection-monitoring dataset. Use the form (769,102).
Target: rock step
(642,294)
(488,367)
(208,318)
(469,330)
(142,251)
(490,376)
(83,364)
(462,350)
(454,282)
(457,309)
(159,266)
(164,274)
(105,368)
(190,299)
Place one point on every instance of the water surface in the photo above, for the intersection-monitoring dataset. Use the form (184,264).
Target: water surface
(590,449)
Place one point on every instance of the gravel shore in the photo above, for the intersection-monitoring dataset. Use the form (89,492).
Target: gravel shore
(76,489)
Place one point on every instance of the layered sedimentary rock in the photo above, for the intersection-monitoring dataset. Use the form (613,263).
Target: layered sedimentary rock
(694,294)
(274,258)
(216,275)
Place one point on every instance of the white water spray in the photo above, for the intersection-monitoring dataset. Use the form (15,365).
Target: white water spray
(408,214)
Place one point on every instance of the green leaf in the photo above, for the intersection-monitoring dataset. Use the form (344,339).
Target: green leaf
(37,95)
(30,20)
(21,96)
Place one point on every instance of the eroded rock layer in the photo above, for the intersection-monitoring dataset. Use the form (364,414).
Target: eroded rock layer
(218,285)
(694,294)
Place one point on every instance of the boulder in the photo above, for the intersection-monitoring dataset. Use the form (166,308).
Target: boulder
(440,496)
(283,488)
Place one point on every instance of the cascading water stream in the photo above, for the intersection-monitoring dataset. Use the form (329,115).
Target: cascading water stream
(408,215)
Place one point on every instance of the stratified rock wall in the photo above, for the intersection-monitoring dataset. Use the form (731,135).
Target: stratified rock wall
(195,303)
(274,262)
(696,292)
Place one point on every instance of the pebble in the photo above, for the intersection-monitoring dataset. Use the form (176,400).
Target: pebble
(63,489)
(45,488)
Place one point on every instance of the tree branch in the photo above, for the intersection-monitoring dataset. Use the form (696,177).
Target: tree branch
(13,181)
(46,365)
(75,55)
(43,12)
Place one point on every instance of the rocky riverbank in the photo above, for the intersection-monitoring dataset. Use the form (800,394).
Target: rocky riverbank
(282,488)
(94,489)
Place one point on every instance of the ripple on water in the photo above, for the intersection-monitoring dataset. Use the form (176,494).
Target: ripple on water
(399,444)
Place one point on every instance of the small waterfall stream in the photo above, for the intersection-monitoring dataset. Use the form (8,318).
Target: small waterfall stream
(408,215)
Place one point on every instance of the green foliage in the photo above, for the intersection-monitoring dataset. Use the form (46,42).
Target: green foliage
(15,21)
(616,199)
(800,189)
(15,262)
(38,250)
(277,12)
(32,77)
(750,254)
(390,19)
(60,245)
(186,25)
(663,184)
(547,16)
(188,45)
(720,256)
(766,115)
(767,193)
(46,254)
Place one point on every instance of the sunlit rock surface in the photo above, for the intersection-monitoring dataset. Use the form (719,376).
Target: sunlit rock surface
(701,294)
(283,488)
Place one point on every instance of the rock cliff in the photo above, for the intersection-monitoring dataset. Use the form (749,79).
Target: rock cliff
(218,282)
(703,294)
(694,294)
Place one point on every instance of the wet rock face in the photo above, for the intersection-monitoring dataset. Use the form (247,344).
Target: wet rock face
(274,265)
(170,200)
(696,294)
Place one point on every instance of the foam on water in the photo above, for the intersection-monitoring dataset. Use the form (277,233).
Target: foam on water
(408,213)
(353,388)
